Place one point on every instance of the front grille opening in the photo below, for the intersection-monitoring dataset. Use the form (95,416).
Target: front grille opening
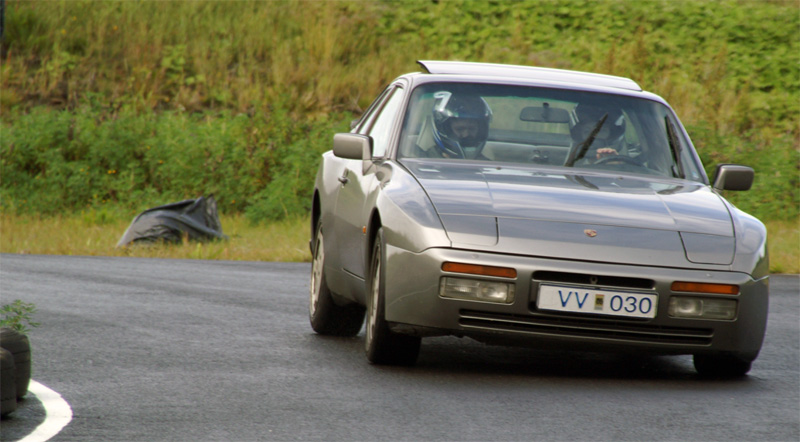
(586,328)
(598,280)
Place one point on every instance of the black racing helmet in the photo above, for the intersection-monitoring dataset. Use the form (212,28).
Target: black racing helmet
(449,107)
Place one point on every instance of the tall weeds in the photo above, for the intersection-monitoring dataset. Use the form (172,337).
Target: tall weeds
(131,102)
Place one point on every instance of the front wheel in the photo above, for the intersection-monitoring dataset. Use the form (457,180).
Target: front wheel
(382,345)
(325,316)
(721,366)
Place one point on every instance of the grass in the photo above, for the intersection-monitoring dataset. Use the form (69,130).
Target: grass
(137,102)
(784,246)
(336,55)
(96,234)
(88,234)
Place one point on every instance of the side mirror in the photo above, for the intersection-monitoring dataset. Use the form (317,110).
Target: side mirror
(733,177)
(352,146)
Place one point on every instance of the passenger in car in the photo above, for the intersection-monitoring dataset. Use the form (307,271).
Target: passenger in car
(458,127)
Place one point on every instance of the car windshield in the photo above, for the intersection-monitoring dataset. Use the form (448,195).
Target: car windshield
(555,127)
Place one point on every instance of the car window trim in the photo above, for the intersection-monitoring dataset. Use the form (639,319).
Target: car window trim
(398,117)
(372,111)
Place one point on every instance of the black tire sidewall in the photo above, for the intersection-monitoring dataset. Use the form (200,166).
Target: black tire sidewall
(19,346)
(374,347)
(324,301)
(8,390)
(721,365)
(385,347)
(329,318)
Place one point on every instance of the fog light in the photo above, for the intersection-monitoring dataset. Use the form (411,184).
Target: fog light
(685,307)
(702,308)
(476,290)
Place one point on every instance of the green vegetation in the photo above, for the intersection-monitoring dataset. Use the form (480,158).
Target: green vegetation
(61,161)
(96,233)
(17,315)
(119,106)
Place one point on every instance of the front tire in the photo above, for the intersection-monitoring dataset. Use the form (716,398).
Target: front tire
(382,345)
(326,317)
(721,366)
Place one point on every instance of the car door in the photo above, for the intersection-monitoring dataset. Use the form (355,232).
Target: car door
(356,184)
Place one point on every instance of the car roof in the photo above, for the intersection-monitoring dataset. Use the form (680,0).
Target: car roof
(528,72)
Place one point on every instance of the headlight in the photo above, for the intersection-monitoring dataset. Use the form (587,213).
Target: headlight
(702,308)
(476,290)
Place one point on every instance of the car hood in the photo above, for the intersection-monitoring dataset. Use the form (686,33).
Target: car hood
(580,215)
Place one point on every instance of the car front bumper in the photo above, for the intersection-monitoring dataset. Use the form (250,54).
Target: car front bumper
(413,306)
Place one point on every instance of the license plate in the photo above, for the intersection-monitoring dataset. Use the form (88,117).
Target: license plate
(598,302)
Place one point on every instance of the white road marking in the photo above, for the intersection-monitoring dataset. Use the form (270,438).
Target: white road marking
(58,413)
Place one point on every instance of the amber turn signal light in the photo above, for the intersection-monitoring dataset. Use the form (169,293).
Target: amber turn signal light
(474,269)
(705,287)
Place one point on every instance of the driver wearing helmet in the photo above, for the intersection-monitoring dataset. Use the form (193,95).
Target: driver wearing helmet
(608,141)
(458,127)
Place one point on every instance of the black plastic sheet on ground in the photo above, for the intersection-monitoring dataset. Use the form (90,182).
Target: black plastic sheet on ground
(195,219)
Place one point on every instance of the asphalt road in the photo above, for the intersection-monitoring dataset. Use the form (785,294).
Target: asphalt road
(180,350)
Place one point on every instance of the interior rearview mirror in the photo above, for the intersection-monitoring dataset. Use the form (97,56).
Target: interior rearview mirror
(544,114)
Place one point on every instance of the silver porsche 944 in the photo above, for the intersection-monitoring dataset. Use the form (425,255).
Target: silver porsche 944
(530,206)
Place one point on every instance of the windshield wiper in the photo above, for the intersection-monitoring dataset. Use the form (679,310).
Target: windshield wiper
(674,147)
(580,150)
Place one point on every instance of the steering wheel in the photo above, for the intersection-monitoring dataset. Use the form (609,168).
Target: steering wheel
(621,158)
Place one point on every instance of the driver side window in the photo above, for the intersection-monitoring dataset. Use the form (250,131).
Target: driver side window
(365,122)
(381,130)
